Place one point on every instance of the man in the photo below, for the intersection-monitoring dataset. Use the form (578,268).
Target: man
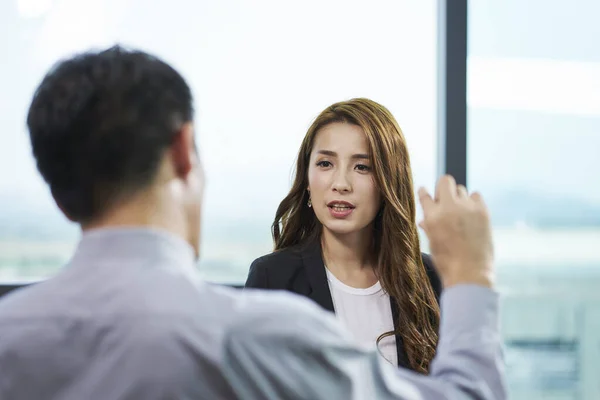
(127,318)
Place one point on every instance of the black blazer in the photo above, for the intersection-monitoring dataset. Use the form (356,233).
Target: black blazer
(301,270)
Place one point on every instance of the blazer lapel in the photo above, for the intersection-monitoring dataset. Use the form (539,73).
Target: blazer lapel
(317,277)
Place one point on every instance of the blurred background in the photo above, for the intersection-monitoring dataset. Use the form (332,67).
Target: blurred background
(261,70)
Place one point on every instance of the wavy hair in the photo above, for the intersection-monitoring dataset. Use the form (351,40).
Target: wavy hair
(399,265)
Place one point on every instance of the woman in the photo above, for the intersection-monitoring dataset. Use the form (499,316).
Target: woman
(345,236)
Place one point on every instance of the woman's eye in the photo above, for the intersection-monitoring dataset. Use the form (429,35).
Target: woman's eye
(362,167)
(324,164)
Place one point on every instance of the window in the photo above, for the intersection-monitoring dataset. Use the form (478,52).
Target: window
(533,145)
(260,71)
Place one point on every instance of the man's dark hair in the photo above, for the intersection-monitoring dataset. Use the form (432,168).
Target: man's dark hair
(99,123)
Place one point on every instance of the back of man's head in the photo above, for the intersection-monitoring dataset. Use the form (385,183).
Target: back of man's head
(100,123)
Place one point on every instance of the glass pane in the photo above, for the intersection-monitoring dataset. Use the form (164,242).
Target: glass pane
(260,70)
(533,146)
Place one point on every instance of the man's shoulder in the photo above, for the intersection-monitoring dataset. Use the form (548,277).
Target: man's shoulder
(257,302)
(31,297)
(267,315)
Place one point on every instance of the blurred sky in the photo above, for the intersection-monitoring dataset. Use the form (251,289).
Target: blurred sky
(261,70)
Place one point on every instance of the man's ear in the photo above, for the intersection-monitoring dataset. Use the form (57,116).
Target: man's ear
(183,150)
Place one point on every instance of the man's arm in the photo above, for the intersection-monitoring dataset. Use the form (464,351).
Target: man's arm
(290,350)
(287,348)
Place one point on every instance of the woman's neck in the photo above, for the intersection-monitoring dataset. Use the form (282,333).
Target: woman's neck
(350,257)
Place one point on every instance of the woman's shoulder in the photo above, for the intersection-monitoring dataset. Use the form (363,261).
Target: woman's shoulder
(279,269)
(277,257)
(282,260)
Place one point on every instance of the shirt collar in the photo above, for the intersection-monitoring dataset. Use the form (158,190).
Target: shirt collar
(121,246)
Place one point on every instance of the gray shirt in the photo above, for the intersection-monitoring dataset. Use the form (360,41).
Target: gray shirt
(128,318)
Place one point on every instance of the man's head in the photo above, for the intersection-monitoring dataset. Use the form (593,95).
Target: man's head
(112,135)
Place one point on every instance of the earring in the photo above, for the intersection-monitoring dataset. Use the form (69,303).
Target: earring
(309,203)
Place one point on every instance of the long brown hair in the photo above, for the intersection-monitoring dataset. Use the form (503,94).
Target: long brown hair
(399,265)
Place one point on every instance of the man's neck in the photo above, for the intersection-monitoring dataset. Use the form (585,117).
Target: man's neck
(141,212)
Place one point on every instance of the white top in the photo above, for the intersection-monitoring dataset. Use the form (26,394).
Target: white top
(366,313)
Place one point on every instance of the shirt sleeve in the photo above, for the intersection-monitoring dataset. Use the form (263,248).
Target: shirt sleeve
(286,347)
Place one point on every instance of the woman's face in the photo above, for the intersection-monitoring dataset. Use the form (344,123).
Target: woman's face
(342,187)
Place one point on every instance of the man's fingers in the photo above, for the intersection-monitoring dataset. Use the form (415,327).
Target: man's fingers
(462,192)
(477,197)
(425,200)
(446,188)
